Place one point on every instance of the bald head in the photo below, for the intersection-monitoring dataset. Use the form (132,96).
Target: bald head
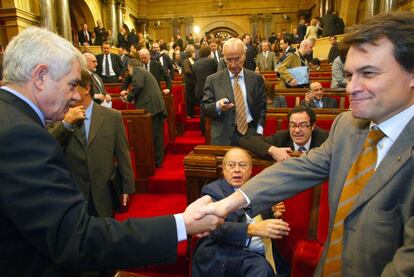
(144,55)
(233,50)
(305,47)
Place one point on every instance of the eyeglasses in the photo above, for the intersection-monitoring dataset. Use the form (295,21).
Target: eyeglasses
(301,126)
(242,165)
(233,60)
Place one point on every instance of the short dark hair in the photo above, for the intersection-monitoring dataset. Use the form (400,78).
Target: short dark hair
(300,109)
(315,61)
(134,62)
(397,27)
(289,39)
(86,79)
(205,51)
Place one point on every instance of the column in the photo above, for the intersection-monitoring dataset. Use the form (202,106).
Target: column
(322,10)
(47,14)
(63,25)
(112,22)
(267,22)
(176,24)
(329,5)
(253,25)
(188,21)
(120,15)
(387,6)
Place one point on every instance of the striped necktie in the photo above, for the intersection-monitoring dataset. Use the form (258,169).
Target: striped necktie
(241,117)
(359,175)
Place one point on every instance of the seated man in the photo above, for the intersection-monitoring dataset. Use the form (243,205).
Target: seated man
(314,98)
(301,136)
(238,247)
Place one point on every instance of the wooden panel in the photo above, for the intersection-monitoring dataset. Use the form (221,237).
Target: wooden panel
(169,104)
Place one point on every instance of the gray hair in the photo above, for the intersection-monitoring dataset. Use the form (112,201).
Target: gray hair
(35,46)
(144,51)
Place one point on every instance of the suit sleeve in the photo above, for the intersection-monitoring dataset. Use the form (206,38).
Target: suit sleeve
(208,102)
(165,76)
(232,231)
(255,143)
(261,101)
(60,133)
(122,156)
(49,212)
(402,263)
(283,68)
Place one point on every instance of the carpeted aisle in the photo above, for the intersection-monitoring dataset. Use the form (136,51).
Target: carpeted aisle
(167,195)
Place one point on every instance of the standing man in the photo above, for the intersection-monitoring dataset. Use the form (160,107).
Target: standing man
(147,95)
(314,98)
(163,58)
(84,35)
(368,158)
(109,64)
(302,136)
(45,228)
(235,98)
(93,139)
(98,92)
(156,69)
(100,32)
(334,51)
(250,52)
(265,61)
(215,53)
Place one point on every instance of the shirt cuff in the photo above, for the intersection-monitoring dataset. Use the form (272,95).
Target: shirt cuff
(218,110)
(245,197)
(181,232)
(67,126)
(259,129)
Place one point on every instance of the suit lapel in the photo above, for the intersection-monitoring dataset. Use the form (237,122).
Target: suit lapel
(226,84)
(97,120)
(249,81)
(399,153)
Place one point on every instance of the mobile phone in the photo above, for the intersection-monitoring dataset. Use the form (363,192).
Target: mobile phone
(226,101)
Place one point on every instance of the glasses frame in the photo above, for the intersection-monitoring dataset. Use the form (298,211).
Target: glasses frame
(302,126)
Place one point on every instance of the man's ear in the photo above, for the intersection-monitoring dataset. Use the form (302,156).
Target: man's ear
(38,75)
(313,126)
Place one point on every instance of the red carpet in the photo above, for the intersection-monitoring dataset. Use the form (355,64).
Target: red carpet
(167,195)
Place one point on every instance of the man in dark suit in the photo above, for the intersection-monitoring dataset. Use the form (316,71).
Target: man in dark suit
(109,65)
(215,52)
(238,247)
(45,228)
(235,98)
(251,53)
(163,58)
(100,32)
(84,35)
(85,131)
(301,136)
(98,92)
(147,95)
(314,98)
(368,158)
(122,38)
(156,69)
(329,24)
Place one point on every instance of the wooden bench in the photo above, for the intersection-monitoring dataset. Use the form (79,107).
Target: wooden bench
(140,139)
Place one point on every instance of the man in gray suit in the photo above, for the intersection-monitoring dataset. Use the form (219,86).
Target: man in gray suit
(147,95)
(219,100)
(266,60)
(93,137)
(378,230)
(314,98)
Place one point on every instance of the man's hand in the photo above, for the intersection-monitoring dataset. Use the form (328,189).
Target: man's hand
(225,104)
(278,210)
(166,91)
(125,199)
(74,115)
(108,98)
(197,221)
(293,82)
(124,95)
(309,96)
(270,228)
(99,96)
(279,154)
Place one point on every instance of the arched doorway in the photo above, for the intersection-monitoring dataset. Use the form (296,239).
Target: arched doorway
(80,14)
(223,33)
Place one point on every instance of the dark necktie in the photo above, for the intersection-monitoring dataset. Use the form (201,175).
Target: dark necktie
(216,56)
(82,131)
(146,66)
(107,74)
(302,149)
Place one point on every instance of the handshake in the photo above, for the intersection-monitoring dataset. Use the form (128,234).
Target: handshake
(204,215)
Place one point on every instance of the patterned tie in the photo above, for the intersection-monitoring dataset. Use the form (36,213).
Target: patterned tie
(82,131)
(98,83)
(302,149)
(107,74)
(241,117)
(359,175)
(267,243)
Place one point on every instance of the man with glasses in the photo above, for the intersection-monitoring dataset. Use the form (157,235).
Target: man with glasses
(237,247)
(314,98)
(301,136)
(235,98)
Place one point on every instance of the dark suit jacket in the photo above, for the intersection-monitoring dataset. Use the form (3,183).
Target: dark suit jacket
(326,101)
(219,86)
(379,230)
(145,92)
(100,34)
(202,68)
(45,229)
(251,54)
(106,133)
(221,252)
(259,144)
(82,38)
(160,74)
(122,41)
(116,64)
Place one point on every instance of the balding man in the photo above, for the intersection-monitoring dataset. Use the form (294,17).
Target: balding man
(163,58)
(314,98)
(265,61)
(98,92)
(235,98)
(155,68)
(292,60)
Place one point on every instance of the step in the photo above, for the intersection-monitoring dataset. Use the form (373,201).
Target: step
(170,177)
(186,143)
